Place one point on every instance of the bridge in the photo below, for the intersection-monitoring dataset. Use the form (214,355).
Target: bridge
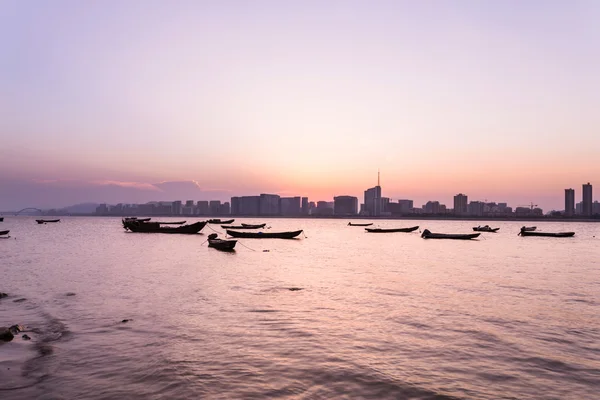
(29,209)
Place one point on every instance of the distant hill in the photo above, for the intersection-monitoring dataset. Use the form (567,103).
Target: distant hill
(83,208)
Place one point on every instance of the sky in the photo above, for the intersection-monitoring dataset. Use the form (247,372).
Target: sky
(123,101)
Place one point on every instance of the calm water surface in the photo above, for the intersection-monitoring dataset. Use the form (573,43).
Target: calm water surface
(378,316)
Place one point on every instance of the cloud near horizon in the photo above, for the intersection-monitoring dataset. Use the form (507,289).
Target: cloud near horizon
(57,193)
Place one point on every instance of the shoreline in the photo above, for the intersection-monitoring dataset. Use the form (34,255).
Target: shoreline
(336,217)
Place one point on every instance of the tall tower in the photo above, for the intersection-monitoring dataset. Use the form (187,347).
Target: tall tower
(569,202)
(587,200)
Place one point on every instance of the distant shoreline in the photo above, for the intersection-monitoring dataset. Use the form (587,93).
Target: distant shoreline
(336,217)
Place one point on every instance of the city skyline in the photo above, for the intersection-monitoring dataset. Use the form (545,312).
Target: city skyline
(114,99)
(174,191)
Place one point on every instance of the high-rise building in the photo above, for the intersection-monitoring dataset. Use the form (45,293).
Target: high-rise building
(587,200)
(305,206)
(461,204)
(249,205)
(290,206)
(406,206)
(345,205)
(432,207)
(372,202)
(225,209)
(569,202)
(235,206)
(214,207)
(269,204)
(202,207)
(476,208)
(595,208)
(176,207)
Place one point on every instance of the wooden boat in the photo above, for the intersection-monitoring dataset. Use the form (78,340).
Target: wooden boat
(486,228)
(4,232)
(529,228)
(45,221)
(220,221)
(220,244)
(378,230)
(153,227)
(351,224)
(171,223)
(429,235)
(243,226)
(546,234)
(264,235)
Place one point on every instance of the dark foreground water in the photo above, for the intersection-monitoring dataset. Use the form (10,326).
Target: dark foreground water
(379,315)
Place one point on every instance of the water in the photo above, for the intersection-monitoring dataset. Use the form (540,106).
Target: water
(378,316)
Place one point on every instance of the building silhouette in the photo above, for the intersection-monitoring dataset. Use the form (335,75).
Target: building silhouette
(269,204)
(373,202)
(345,205)
(569,202)
(461,204)
(587,200)
(305,206)
(290,206)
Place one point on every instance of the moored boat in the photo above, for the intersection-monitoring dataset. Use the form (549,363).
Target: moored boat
(4,232)
(1,219)
(264,235)
(485,228)
(154,227)
(220,221)
(46,221)
(243,226)
(546,234)
(220,244)
(351,224)
(379,230)
(459,236)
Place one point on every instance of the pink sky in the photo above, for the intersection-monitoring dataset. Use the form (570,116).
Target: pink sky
(496,100)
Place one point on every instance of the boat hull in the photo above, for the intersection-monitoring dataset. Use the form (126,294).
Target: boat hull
(223,245)
(351,224)
(243,226)
(153,227)
(456,236)
(220,221)
(4,232)
(264,235)
(377,230)
(547,234)
(46,221)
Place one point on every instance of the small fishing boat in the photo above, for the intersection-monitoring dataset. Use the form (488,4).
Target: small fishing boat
(220,244)
(137,219)
(1,219)
(171,223)
(243,226)
(378,230)
(351,224)
(429,235)
(154,227)
(264,235)
(46,221)
(4,232)
(486,228)
(546,234)
(529,228)
(220,221)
